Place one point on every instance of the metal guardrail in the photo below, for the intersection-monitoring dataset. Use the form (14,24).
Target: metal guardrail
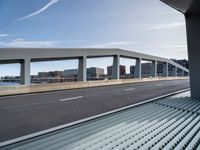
(169,123)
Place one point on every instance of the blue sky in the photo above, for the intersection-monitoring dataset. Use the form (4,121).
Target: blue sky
(146,26)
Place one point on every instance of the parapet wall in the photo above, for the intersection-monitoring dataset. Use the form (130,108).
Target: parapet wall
(25,89)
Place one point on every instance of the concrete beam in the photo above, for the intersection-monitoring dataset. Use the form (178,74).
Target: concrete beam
(138,68)
(154,69)
(25,72)
(36,54)
(115,67)
(82,69)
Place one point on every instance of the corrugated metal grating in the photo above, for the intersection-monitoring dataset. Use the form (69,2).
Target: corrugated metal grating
(170,123)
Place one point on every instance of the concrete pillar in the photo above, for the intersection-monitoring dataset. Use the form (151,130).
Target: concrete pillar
(25,72)
(116,67)
(165,69)
(154,69)
(82,69)
(181,73)
(138,68)
(193,38)
(174,71)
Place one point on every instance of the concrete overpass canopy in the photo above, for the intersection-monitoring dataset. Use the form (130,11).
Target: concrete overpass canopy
(187,7)
(27,55)
(191,10)
(180,5)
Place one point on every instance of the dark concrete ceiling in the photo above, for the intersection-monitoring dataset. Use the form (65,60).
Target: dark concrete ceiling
(185,6)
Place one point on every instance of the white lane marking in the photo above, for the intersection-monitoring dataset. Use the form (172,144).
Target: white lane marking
(131,89)
(159,84)
(71,98)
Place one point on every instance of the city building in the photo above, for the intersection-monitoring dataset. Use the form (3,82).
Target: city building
(159,68)
(94,73)
(145,70)
(182,62)
(122,70)
(109,71)
(51,74)
(132,70)
(48,77)
(70,75)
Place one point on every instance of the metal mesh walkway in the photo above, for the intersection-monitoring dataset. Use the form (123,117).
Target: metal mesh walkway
(169,123)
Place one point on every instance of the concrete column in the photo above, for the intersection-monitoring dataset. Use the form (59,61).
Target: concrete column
(25,72)
(181,73)
(193,38)
(154,69)
(82,69)
(115,67)
(165,69)
(174,71)
(138,68)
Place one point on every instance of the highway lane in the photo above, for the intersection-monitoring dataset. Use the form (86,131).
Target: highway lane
(29,113)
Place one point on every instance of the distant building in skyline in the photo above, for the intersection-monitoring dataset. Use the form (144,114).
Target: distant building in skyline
(182,62)
(132,70)
(95,73)
(122,70)
(51,74)
(48,77)
(159,69)
(145,70)
(70,75)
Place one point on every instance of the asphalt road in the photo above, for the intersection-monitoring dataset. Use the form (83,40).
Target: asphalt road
(25,114)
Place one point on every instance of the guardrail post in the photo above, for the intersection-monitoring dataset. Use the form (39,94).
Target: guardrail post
(165,69)
(82,69)
(138,68)
(115,67)
(25,71)
(154,69)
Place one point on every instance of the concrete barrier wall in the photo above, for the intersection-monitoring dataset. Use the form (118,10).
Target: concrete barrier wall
(22,89)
